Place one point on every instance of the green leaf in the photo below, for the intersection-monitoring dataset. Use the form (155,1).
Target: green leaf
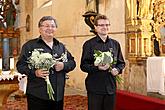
(97,52)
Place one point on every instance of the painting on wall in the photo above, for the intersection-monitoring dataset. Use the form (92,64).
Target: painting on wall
(28,23)
(162,34)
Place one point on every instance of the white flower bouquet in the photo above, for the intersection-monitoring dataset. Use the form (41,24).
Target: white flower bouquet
(106,58)
(45,61)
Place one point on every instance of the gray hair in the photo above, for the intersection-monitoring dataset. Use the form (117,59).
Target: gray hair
(44,18)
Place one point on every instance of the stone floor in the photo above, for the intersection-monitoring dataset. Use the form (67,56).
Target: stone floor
(156,95)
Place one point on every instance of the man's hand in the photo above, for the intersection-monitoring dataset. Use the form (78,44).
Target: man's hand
(114,72)
(59,66)
(103,66)
(41,73)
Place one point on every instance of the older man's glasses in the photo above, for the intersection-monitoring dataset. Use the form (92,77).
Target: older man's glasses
(102,25)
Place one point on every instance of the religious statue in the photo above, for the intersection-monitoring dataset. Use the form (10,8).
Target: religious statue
(7,14)
(10,13)
(156,45)
(144,8)
(2,20)
(92,5)
(17,16)
(128,6)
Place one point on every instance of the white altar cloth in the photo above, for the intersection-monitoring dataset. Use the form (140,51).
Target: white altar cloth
(7,76)
(21,78)
(156,74)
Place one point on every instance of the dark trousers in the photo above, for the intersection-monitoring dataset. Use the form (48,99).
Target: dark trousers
(101,102)
(35,103)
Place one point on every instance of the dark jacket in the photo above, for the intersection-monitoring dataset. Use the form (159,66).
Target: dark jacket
(37,86)
(99,81)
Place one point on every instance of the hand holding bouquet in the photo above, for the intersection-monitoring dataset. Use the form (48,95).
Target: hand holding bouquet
(103,58)
(44,61)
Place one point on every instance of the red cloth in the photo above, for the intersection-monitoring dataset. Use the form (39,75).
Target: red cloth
(132,101)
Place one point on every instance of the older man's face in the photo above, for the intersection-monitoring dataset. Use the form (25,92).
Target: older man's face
(47,29)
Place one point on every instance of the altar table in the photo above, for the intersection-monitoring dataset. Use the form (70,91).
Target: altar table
(8,84)
(156,74)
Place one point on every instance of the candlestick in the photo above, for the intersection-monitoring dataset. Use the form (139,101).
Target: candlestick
(1,63)
(11,66)
(0,66)
(11,72)
(0,71)
(11,63)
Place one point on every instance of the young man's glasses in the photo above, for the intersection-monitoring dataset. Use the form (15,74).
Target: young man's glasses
(102,25)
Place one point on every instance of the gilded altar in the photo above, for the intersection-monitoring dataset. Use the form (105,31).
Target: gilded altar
(144,18)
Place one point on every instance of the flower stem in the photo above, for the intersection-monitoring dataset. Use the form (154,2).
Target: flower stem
(119,79)
(50,90)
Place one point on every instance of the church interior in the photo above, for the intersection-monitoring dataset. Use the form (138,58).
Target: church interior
(138,25)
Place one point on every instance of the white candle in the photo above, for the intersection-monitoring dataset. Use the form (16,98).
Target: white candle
(11,63)
(0,63)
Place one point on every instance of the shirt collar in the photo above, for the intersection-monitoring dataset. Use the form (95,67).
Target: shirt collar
(55,41)
(98,39)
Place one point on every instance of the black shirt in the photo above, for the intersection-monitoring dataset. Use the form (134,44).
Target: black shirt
(37,86)
(99,81)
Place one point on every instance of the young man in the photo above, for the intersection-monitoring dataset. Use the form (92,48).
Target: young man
(37,96)
(100,82)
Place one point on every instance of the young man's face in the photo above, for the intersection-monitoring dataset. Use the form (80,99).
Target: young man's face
(102,27)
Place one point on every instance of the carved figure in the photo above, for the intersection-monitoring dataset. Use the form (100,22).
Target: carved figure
(89,19)
(92,5)
(17,16)
(9,13)
(144,8)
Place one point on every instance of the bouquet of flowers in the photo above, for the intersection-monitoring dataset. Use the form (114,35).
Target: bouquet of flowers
(45,61)
(106,58)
